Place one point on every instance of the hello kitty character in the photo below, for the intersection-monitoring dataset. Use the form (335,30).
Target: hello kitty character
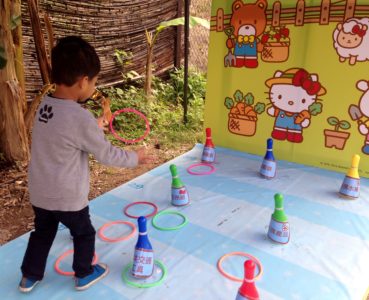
(291,94)
(363,115)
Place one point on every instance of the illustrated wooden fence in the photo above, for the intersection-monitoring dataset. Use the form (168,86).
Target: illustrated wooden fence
(301,14)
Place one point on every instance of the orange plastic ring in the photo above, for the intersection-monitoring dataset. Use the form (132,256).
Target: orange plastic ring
(234,278)
(126,237)
(64,255)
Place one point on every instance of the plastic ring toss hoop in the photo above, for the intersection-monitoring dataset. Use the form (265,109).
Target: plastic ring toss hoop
(145,285)
(64,255)
(234,278)
(185,220)
(129,110)
(137,203)
(211,170)
(123,238)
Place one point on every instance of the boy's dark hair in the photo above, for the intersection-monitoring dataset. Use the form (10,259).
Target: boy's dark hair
(72,58)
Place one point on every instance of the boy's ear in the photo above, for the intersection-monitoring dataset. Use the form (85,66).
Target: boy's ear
(83,82)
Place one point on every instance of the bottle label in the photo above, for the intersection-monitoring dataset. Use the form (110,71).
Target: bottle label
(268,168)
(208,154)
(279,231)
(143,263)
(180,196)
(350,187)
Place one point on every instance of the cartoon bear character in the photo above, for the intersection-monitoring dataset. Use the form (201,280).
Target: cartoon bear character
(291,94)
(248,22)
(351,40)
(363,114)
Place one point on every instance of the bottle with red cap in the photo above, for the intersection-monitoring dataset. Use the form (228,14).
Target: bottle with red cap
(208,154)
(248,290)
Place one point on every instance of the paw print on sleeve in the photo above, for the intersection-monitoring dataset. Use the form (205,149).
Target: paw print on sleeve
(45,113)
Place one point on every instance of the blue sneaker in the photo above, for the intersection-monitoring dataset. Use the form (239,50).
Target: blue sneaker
(26,284)
(100,271)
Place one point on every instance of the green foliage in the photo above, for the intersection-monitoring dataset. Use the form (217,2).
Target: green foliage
(173,91)
(338,124)
(259,108)
(15,21)
(249,99)
(315,108)
(165,114)
(124,59)
(228,102)
(181,21)
(238,96)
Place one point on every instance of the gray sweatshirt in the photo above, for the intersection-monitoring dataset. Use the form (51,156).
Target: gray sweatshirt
(63,135)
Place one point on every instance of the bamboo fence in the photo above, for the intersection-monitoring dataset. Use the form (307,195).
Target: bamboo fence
(107,25)
(301,14)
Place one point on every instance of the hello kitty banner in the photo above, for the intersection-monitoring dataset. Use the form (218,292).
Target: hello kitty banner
(296,71)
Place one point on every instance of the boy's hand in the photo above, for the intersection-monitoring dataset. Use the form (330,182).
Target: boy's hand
(143,157)
(101,122)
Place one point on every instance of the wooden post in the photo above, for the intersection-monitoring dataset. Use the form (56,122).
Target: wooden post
(300,11)
(39,42)
(276,13)
(178,44)
(350,9)
(324,12)
(220,20)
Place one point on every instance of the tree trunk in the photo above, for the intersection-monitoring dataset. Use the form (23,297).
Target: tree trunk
(13,136)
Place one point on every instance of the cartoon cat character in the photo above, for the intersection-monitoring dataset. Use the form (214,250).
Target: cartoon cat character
(292,94)
(248,22)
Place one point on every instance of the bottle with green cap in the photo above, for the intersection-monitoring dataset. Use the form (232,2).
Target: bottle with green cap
(179,192)
(279,228)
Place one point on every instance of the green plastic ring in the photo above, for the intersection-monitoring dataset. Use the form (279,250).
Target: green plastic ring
(168,212)
(145,285)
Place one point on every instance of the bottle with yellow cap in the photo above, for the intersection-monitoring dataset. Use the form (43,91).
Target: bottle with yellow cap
(350,187)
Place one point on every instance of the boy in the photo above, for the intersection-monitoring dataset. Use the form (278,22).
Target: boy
(63,136)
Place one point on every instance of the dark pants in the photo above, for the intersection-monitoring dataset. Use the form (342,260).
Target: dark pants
(41,239)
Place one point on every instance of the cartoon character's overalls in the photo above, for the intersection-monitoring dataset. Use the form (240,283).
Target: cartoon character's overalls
(286,127)
(245,51)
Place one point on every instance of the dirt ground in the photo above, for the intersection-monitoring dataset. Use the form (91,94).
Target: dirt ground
(16,215)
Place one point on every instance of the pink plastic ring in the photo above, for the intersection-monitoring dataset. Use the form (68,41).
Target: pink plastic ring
(64,255)
(141,202)
(126,237)
(211,170)
(234,278)
(131,110)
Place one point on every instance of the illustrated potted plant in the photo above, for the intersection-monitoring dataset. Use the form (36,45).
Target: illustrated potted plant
(336,138)
(276,42)
(242,117)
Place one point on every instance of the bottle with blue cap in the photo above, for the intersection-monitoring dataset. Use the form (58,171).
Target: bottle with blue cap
(143,261)
(268,166)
